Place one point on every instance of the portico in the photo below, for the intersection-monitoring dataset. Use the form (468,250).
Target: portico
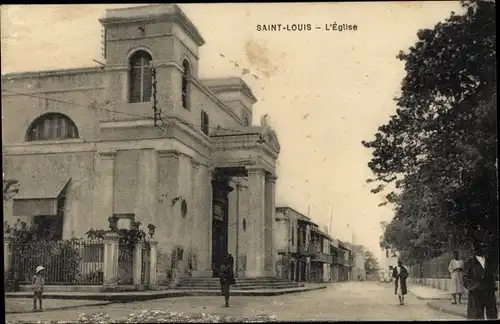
(249,153)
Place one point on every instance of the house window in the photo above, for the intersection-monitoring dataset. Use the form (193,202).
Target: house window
(293,236)
(49,227)
(186,72)
(386,253)
(246,122)
(52,126)
(141,79)
(205,122)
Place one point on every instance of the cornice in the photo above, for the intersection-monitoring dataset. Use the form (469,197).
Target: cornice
(176,15)
(50,73)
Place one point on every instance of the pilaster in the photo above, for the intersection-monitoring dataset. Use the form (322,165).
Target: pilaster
(256,223)
(110,266)
(153,264)
(270,211)
(103,189)
(147,191)
(6,254)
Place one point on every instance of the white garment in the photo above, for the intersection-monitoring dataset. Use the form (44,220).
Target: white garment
(400,291)
(481,260)
(456,282)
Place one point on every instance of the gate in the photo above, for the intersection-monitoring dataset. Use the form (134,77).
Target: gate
(145,264)
(125,264)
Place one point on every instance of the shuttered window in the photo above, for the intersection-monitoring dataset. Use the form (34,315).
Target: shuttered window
(185,85)
(141,79)
(205,122)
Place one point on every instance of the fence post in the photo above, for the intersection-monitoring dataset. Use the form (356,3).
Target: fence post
(110,259)
(137,270)
(152,264)
(6,254)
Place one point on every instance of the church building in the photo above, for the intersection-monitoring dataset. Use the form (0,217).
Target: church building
(143,138)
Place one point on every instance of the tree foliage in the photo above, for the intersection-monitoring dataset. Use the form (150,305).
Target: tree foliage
(371,263)
(10,188)
(439,149)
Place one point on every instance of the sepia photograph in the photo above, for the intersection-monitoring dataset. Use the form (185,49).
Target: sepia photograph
(250,162)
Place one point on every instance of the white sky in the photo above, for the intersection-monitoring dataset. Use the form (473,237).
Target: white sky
(324,91)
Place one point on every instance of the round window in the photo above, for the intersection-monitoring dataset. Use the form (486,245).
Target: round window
(244,224)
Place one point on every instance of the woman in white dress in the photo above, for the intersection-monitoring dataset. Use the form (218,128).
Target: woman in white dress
(457,278)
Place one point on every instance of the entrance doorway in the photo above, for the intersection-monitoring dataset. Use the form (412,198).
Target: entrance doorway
(219,224)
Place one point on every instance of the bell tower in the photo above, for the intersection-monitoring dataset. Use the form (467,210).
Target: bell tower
(139,40)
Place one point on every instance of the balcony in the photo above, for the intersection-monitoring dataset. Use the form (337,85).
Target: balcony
(322,257)
(303,249)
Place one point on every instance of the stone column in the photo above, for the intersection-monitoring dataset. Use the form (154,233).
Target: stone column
(110,266)
(152,265)
(137,269)
(255,223)
(103,190)
(6,254)
(270,206)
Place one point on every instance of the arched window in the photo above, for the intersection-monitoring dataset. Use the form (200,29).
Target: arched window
(141,80)
(246,122)
(52,126)
(186,72)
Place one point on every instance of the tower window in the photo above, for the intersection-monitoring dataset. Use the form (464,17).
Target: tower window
(205,122)
(141,79)
(186,72)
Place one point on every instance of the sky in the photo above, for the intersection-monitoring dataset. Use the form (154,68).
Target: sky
(324,91)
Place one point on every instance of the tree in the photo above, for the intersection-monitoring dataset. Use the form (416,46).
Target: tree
(439,149)
(10,189)
(371,263)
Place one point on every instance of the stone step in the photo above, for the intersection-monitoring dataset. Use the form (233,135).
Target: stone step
(213,284)
(263,280)
(282,285)
(255,287)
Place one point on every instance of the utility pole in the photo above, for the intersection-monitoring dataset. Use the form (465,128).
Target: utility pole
(155,108)
(331,220)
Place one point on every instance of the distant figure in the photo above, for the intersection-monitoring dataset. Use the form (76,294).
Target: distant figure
(227,277)
(400,274)
(37,286)
(479,280)
(456,269)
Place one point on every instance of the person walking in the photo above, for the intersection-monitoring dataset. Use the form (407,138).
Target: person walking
(456,268)
(37,286)
(227,278)
(400,273)
(479,280)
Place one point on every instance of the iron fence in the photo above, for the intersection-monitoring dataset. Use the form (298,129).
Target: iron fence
(437,267)
(68,262)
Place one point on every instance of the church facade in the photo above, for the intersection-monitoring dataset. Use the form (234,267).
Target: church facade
(144,139)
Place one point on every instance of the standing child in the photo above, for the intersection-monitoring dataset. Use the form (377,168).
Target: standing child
(37,284)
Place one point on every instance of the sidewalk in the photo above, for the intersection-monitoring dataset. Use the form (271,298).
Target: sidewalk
(124,297)
(25,305)
(439,300)
(428,293)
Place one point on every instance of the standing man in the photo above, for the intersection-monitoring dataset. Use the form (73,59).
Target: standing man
(227,278)
(479,280)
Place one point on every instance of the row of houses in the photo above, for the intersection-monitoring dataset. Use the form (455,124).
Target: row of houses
(305,253)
